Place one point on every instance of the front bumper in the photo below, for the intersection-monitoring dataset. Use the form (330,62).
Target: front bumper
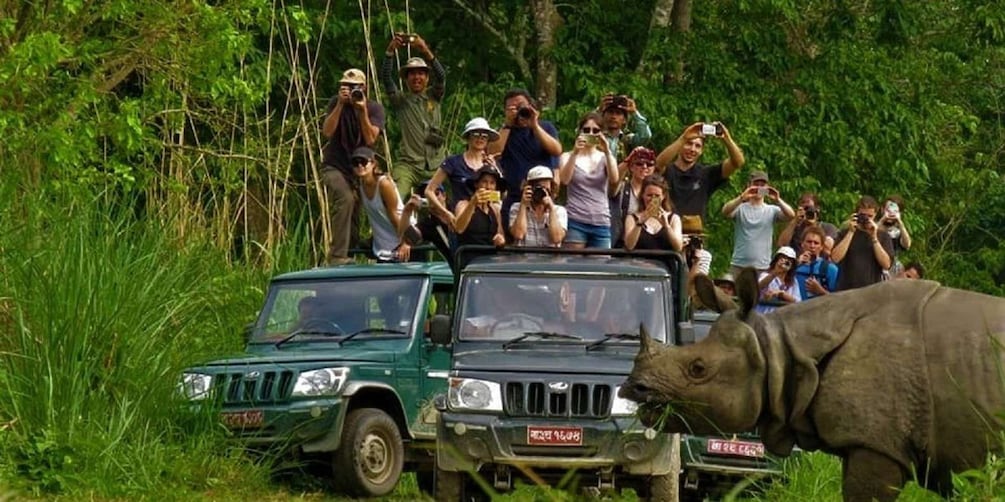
(467,442)
(313,425)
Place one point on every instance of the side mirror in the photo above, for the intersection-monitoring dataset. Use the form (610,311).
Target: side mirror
(247,331)
(686,332)
(439,329)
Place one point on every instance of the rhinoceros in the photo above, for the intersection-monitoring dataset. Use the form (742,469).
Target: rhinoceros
(899,379)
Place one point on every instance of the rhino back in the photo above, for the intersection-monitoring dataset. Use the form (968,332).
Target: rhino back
(964,332)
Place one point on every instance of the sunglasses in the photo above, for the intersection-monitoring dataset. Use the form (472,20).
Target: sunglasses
(591,130)
(642,163)
(359,161)
(479,135)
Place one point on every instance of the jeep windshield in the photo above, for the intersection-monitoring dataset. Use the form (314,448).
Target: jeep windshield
(561,309)
(361,309)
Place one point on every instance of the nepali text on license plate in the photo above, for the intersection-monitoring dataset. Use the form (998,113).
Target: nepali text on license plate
(738,448)
(243,419)
(554,436)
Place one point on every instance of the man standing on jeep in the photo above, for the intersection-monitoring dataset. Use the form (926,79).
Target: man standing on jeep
(692,183)
(420,150)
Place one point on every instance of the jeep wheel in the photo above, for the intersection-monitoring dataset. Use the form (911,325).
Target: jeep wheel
(449,486)
(370,460)
(664,488)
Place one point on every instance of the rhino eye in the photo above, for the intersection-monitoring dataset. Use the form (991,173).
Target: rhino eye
(697,369)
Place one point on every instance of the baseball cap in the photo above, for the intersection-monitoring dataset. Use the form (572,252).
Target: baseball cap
(540,173)
(758,176)
(362,153)
(726,278)
(415,63)
(353,76)
(787,252)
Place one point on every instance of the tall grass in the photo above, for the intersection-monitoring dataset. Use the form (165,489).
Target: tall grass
(98,314)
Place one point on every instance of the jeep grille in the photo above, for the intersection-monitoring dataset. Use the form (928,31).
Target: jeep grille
(255,386)
(536,399)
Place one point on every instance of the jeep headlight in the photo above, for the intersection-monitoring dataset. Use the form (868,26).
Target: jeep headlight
(195,386)
(320,382)
(621,406)
(476,395)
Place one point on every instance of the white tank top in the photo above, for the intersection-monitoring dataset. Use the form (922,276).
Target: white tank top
(385,236)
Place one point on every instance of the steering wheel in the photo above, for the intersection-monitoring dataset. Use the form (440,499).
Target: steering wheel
(522,322)
(317,324)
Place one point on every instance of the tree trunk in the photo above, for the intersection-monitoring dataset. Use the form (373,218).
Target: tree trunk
(680,23)
(546,23)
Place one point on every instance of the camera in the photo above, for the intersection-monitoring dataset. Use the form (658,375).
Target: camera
(356,93)
(711,129)
(620,101)
(786,264)
(810,212)
(862,219)
(423,203)
(538,193)
(524,112)
(408,38)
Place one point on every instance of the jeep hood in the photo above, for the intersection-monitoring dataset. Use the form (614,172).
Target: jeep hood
(546,359)
(291,357)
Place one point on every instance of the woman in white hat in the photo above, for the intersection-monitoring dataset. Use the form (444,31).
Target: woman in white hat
(458,169)
(778,284)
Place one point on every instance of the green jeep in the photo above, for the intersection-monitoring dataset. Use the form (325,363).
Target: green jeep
(541,340)
(338,366)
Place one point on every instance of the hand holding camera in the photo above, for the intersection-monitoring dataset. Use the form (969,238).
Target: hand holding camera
(539,195)
(808,213)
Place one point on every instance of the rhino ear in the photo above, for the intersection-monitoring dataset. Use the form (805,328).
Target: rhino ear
(712,297)
(747,291)
(647,343)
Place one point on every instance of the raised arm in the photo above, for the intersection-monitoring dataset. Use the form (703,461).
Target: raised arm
(736,159)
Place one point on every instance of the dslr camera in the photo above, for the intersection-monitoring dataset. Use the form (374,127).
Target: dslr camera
(620,101)
(356,93)
(862,219)
(538,193)
(525,112)
(810,212)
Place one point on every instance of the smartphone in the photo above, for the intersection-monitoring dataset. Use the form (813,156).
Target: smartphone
(408,38)
(592,140)
(763,191)
(495,196)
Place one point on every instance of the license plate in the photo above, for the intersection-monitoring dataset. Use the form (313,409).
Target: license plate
(737,448)
(243,419)
(554,436)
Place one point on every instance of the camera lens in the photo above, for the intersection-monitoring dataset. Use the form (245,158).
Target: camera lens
(538,194)
(524,112)
(356,94)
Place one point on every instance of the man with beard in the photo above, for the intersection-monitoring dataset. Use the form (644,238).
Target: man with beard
(421,150)
(691,182)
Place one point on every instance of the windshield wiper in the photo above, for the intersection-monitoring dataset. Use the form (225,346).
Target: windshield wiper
(612,336)
(370,330)
(539,334)
(305,332)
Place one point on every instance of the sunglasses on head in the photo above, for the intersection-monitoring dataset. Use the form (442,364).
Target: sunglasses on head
(591,130)
(644,163)
(479,135)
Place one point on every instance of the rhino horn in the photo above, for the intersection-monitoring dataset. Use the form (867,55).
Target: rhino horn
(647,343)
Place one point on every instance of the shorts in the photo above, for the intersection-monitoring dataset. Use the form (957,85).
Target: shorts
(594,236)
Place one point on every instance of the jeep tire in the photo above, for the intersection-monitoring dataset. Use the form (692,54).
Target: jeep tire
(370,460)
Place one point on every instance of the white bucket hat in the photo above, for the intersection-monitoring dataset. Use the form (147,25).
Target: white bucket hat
(481,125)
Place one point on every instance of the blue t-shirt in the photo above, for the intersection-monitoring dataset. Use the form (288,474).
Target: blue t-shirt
(522,152)
(458,174)
(825,271)
(753,234)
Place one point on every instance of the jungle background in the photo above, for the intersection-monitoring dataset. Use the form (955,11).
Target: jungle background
(158,162)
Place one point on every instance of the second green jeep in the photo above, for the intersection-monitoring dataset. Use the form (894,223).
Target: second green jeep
(338,366)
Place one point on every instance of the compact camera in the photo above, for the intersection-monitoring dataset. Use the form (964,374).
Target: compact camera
(711,129)
(423,203)
(620,101)
(525,112)
(408,38)
(538,193)
(356,93)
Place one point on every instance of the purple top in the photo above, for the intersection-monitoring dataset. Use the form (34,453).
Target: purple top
(586,195)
